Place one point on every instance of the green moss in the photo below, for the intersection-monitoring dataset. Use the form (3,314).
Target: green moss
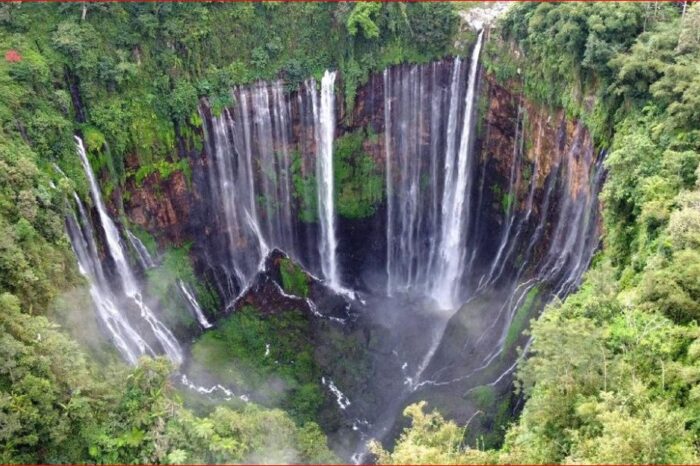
(147,239)
(483,103)
(162,283)
(496,191)
(520,320)
(526,172)
(502,417)
(294,279)
(165,170)
(507,202)
(94,139)
(359,183)
(268,355)
(500,61)
(484,396)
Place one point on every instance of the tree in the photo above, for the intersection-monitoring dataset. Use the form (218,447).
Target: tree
(362,19)
(430,440)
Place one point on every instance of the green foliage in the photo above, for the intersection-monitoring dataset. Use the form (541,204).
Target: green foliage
(56,407)
(593,385)
(33,263)
(381,34)
(500,62)
(673,289)
(45,389)
(629,72)
(484,396)
(432,26)
(269,355)
(294,279)
(569,52)
(162,282)
(132,75)
(507,202)
(614,370)
(149,425)
(430,440)
(359,183)
(128,79)
(164,169)
(362,19)
(520,319)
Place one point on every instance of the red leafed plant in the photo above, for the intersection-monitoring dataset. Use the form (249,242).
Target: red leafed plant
(13,56)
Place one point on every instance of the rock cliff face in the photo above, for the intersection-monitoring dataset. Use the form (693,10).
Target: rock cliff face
(173,209)
(161,206)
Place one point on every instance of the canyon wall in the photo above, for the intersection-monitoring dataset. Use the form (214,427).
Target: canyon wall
(528,163)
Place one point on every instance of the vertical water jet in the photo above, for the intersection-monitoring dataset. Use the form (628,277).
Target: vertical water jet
(324,179)
(455,202)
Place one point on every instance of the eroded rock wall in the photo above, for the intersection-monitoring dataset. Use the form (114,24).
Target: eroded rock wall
(529,160)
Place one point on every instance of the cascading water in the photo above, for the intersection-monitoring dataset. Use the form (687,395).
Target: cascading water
(490,233)
(255,157)
(144,257)
(194,304)
(415,102)
(324,175)
(506,237)
(125,337)
(427,227)
(546,252)
(110,230)
(129,285)
(475,230)
(440,192)
(447,278)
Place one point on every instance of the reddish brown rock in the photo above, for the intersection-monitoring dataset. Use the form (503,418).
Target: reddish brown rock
(160,206)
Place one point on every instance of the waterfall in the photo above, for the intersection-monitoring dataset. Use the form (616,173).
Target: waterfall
(129,284)
(142,253)
(232,199)
(415,142)
(492,234)
(389,184)
(256,149)
(428,166)
(194,304)
(454,230)
(82,239)
(325,117)
(506,237)
(110,230)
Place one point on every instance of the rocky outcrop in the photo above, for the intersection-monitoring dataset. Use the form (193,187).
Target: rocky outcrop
(161,206)
(267,294)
